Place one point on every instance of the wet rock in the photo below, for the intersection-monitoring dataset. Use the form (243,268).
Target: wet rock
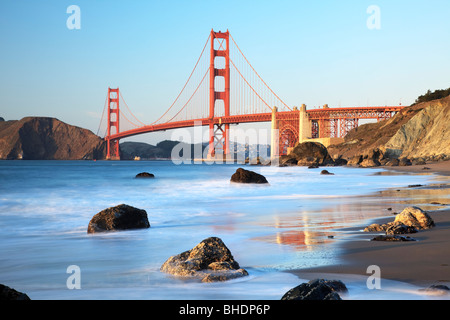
(209,261)
(437,289)
(145,175)
(387,237)
(247,176)
(121,217)
(326,172)
(317,289)
(7,293)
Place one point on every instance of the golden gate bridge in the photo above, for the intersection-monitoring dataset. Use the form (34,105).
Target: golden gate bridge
(224,89)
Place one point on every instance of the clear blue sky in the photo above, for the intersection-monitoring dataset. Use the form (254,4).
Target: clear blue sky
(311,52)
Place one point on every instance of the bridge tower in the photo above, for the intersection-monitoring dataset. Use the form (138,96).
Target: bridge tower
(112,145)
(219,133)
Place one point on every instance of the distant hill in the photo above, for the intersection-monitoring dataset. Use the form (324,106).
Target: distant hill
(163,150)
(43,138)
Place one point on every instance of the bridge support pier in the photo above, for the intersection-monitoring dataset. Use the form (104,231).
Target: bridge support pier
(275,138)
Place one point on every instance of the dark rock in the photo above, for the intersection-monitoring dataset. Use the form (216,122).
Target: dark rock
(247,176)
(326,172)
(392,238)
(399,228)
(437,289)
(121,217)
(392,162)
(317,289)
(313,166)
(405,162)
(210,261)
(7,293)
(307,154)
(145,175)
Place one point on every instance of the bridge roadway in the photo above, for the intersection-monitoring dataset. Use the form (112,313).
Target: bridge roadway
(378,113)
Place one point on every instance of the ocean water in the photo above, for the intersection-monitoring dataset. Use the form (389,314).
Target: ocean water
(45,208)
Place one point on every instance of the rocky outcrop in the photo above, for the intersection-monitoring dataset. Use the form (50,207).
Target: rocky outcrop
(40,138)
(418,133)
(410,220)
(209,261)
(247,176)
(307,154)
(121,217)
(145,175)
(317,289)
(7,293)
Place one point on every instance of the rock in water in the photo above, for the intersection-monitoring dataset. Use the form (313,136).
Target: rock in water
(121,217)
(318,289)
(247,176)
(145,175)
(326,172)
(210,261)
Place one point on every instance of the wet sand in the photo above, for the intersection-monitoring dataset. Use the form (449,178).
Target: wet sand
(423,262)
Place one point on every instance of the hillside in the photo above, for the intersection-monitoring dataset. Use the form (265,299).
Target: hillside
(419,131)
(43,138)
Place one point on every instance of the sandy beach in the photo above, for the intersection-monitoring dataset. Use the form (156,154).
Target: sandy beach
(421,263)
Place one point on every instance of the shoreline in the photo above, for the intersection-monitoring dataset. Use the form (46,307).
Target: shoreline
(423,263)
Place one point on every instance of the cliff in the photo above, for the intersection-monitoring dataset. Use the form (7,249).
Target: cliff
(42,138)
(419,131)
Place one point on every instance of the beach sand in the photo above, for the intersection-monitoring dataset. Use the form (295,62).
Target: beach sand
(420,263)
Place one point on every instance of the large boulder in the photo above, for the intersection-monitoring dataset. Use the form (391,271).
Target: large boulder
(308,153)
(121,217)
(415,217)
(317,289)
(7,293)
(247,176)
(209,261)
(410,220)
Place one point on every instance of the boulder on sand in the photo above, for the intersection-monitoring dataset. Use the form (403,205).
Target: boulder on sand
(410,220)
(209,261)
(121,217)
(247,176)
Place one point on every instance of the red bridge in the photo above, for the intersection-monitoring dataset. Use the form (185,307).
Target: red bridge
(225,89)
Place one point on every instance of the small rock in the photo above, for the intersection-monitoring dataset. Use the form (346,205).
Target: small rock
(247,176)
(145,175)
(326,172)
(121,217)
